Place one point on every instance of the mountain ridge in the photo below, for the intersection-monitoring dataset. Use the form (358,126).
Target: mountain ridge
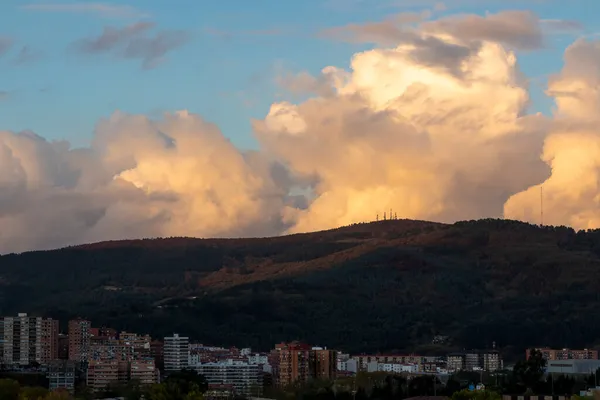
(366,287)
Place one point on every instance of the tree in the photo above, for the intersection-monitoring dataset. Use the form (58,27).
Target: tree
(33,393)
(158,391)
(528,373)
(195,395)
(188,380)
(9,389)
(174,389)
(58,395)
(466,394)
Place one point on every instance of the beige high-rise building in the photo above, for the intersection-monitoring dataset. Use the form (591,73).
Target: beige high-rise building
(26,340)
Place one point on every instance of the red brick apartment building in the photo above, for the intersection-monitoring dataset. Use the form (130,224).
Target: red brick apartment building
(80,332)
(565,354)
(323,364)
(297,362)
(293,363)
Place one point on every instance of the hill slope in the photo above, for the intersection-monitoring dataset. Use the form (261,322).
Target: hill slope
(368,287)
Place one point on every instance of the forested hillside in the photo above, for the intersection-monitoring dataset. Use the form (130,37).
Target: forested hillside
(380,286)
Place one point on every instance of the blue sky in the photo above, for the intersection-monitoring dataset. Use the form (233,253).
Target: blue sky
(224,68)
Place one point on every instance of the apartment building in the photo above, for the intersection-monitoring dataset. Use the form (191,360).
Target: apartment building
(492,361)
(26,340)
(455,362)
(565,354)
(322,363)
(63,346)
(350,365)
(103,332)
(397,368)
(101,373)
(487,360)
(403,359)
(127,347)
(176,353)
(140,343)
(144,371)
(258,359)
(293,363)
(61,375)
(243,377)
(79,340)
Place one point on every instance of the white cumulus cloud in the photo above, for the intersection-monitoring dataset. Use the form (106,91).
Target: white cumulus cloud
(434,127)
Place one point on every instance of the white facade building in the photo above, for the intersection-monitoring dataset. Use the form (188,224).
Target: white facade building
(245,378)
(349,365)
(572,367)
(176,353)
(25,339)
(398,368)
(257,359)
(246,351)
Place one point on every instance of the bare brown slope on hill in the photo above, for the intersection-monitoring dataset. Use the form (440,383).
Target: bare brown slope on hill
(363,239)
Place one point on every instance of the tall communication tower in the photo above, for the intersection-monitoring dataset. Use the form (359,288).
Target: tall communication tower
(541,206)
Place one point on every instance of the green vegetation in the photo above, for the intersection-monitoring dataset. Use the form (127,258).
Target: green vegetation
(11,390)
(383,286)
(188,385)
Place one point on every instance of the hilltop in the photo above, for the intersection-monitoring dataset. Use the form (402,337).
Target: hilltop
(367,287)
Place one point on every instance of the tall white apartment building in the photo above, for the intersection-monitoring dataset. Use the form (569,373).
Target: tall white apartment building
(176,353)
(25,340)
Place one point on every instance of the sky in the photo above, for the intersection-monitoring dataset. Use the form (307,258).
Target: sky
(226,70)
(145,118)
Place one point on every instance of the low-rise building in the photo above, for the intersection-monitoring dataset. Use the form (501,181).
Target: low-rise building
(398,368)
(101,373)
(144,371)
(350,365)
(565,354)
(258,359)
(475,360)
(572,367)
(407,359)
(61,375)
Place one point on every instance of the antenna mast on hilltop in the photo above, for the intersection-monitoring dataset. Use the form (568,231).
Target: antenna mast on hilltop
(377,217)
(384,215)
(541,206)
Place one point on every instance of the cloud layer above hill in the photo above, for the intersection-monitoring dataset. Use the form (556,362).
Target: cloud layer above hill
(432,124)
